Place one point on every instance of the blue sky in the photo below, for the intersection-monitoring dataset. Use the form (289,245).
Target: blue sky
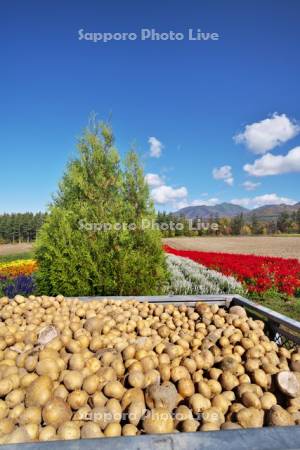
(179,102)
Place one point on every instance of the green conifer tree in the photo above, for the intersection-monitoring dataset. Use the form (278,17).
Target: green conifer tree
(80,249)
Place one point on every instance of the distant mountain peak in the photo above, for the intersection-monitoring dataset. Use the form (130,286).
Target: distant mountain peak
(225,209)
(221,210)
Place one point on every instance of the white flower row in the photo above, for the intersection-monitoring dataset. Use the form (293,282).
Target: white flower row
(188,278)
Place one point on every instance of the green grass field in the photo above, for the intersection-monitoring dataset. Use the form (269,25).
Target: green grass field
(15,256)
(288,306)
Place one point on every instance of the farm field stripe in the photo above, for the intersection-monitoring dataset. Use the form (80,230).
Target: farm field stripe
(258,273)
(188,277)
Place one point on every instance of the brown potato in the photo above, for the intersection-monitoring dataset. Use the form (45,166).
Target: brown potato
(279,417)
(159,420)
(250,417)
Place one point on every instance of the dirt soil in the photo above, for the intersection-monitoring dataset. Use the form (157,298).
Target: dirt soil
(285,247)
(11,249)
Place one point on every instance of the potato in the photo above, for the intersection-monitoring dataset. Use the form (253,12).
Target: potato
(288,383)
(215,373)
(204,389)
(229,363)
(15,397)
(249,399)
(199,403)
(68,430)
(56,412)
(32,430)
(32,414)
(3,409)
(229,396)
(190,364)
(113,359)
(182,413)
(73,380)
(252,364)
(19,435)
(91,430)
(228,380)
(295,402)
(220,402)
(113,429)
(114,389)
(132,395)
(151,377)
(76,362)
(214,386)
(186,387)
(47,433)
(248,387)
(250,417)
(268,400)
(83,413)
(210,427)
(77,399)
(178,373)
(6,386)
(158,420)
(48,367)
(6,426)
(61,392)
(93,324)
(260,378)
(27,379)
(238,311)
(39,391)
(189,425)
(136,411)
(213,415)
(230,426)
(161,396)
(279,417)
(129,430)
(165,372)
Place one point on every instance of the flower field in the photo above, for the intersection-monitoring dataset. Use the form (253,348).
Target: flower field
(18,267)
(257,273)
(16,277)
(191,272)
(188,277)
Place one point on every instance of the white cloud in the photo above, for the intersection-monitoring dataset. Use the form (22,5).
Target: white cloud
(250,186)
(173,198)
(153,179)
(274,165)
(223,173)
(166,194)
(262,136)
(155,147)
(261,200)
(199,202)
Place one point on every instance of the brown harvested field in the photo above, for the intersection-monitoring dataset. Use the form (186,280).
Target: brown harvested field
(11,249)
(286,247)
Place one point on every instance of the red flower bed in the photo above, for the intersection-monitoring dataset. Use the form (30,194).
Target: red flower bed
(259,273)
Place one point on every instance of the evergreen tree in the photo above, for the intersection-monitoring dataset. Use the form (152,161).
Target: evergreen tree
(81,249)
(237,224)
(298,219)
(255,226)
(283,222)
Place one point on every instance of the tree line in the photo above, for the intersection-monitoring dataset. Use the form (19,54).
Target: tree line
(20,227)
(172,225)
(23,227)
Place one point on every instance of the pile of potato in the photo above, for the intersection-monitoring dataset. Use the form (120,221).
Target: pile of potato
(71,369)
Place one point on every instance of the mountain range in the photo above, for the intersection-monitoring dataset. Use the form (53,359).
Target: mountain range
(267,212)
